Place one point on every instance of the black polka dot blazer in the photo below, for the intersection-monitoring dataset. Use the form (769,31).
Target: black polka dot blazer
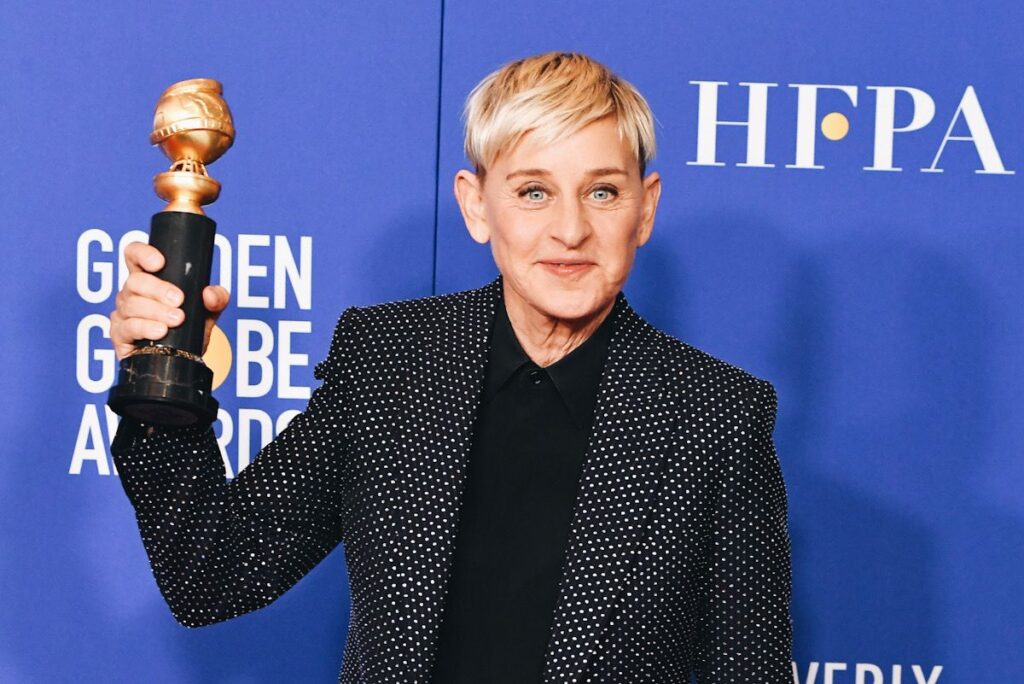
(678,554)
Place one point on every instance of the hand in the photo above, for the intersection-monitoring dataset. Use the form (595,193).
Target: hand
(147,306)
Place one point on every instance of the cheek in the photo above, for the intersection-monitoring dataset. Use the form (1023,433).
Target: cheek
(514,242)
(618,251)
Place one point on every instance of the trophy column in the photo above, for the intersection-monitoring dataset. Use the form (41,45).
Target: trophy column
(165,381)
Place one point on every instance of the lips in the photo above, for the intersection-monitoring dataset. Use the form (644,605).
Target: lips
(566,267)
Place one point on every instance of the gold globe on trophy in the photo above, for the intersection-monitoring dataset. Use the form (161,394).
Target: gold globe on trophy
(165,381)
(193,126)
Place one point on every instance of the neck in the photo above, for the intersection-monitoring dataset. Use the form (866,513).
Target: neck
(547,340)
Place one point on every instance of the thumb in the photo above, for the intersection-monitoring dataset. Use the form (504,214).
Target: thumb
(215,299)
(211,321)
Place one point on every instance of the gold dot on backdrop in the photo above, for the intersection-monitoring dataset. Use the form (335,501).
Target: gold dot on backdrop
(218,356)
(835,126)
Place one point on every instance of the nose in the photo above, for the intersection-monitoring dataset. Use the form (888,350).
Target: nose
(571,226)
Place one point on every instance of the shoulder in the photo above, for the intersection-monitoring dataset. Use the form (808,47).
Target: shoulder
(717,386)
(687,363)
(410,312)
(410,316)
(732,410)
(385,329)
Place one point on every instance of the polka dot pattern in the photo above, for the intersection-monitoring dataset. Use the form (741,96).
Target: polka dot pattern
(678,556)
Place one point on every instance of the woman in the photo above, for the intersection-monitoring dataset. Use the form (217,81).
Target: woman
(531,482)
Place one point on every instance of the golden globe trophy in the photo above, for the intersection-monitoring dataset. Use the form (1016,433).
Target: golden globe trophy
(165,381)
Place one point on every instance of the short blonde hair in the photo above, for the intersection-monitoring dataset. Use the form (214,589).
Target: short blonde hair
(554,95)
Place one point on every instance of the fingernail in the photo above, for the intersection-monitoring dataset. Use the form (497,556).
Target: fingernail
(171,296)
(174,315)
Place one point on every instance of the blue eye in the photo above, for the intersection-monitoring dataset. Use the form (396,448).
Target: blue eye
(604,194)
(533,193)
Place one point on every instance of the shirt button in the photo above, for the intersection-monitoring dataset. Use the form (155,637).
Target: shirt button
(536,376)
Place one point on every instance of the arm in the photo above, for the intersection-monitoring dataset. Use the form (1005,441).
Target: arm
(744,631)
(220,549)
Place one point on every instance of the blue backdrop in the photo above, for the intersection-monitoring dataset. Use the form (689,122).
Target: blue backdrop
(854,235)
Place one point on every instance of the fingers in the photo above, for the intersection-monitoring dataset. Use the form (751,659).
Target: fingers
(141,284)
(136,306)
(139,256)
(147,306)
(124,332)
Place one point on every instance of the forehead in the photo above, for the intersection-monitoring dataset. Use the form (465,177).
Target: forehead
(596,145)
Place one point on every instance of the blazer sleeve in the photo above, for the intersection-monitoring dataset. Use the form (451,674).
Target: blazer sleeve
(744,630)
(221,548)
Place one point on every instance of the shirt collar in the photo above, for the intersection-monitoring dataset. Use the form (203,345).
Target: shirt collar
(576,376)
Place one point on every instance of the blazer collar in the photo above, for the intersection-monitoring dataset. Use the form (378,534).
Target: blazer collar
(620,476)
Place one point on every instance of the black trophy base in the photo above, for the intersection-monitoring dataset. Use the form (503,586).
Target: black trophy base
(164,389)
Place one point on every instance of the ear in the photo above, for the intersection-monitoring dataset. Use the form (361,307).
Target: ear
(652,192)
(470,196)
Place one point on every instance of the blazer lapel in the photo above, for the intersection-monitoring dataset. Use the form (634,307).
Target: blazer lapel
(619,478)
(437,415)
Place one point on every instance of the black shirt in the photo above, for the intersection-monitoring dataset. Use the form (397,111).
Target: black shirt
(529,441)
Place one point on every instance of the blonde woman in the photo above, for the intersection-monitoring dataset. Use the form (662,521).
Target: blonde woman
(531,483)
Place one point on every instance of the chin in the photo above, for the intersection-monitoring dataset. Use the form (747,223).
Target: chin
(570,306)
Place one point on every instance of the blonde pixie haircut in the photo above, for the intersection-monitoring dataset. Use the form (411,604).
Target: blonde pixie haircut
(554,95)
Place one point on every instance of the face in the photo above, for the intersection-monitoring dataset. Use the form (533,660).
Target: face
(564,221)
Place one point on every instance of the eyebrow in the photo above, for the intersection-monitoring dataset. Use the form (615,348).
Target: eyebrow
(604,171)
